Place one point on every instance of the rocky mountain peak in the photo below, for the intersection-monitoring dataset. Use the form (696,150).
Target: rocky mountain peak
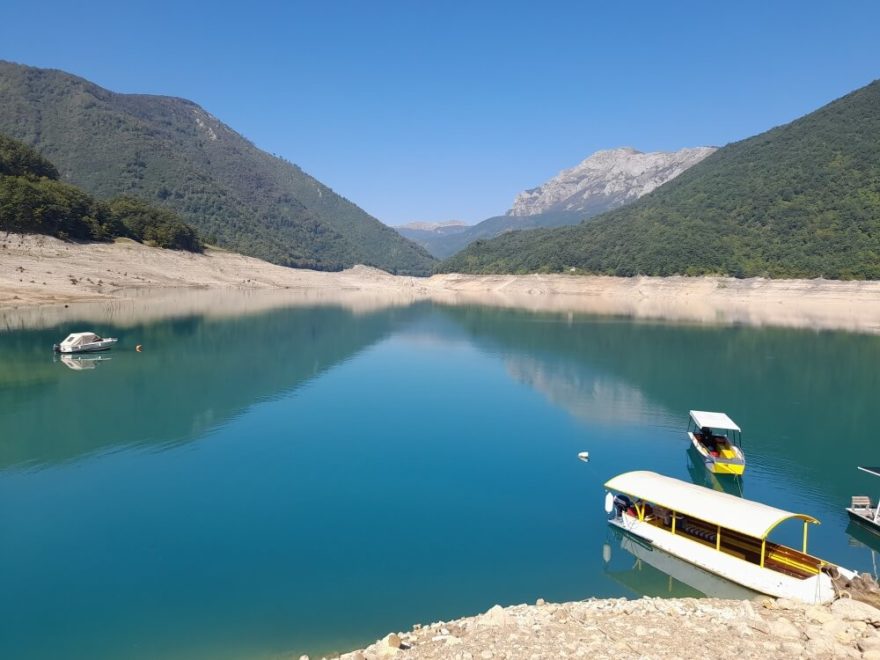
(607,179)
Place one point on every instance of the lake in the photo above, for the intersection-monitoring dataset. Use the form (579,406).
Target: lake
(304,479)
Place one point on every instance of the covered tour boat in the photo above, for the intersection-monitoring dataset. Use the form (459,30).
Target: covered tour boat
(84,342)
(862,509)
(720,533)
(718,440)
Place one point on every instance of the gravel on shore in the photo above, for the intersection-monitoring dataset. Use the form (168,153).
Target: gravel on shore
(644,628)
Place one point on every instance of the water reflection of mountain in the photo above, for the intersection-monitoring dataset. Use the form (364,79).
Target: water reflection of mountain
(803,398)
(194,373)
(589,395)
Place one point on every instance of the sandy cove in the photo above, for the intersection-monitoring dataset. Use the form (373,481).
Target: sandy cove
(644,628)
(39,274)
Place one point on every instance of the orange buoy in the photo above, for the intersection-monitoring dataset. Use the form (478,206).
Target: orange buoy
(139,348)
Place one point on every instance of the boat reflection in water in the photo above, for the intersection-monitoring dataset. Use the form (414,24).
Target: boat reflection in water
(657,573)
(723,483)
(861,536)
(83,362)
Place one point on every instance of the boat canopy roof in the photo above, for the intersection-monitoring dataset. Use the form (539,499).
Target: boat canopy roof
(80,338)
(871,470)
(713,420)
(751,518)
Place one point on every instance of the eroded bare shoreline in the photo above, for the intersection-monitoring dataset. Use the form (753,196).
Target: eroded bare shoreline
(643,628)
(128,282)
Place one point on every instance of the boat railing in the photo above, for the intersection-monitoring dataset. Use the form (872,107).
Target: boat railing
(779,558)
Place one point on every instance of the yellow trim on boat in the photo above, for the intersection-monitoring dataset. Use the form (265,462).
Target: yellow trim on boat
(720,467)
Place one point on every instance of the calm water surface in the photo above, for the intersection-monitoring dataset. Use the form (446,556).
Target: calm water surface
(305,479)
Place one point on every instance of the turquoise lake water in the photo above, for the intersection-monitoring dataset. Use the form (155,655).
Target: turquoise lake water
(306,479)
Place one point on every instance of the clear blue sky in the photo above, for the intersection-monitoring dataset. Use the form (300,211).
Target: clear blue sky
(445,110)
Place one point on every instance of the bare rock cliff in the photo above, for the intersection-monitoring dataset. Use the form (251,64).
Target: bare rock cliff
(606,180)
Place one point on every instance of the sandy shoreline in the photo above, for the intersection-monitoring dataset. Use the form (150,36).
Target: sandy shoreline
(40,274)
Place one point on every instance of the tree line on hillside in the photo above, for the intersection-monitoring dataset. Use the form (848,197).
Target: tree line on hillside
(798,201)
(34,201)
(175,155)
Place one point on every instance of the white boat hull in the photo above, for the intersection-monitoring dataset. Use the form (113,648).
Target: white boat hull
(703,581)
(812,590)
(735,465)
(93,347)
(866,517)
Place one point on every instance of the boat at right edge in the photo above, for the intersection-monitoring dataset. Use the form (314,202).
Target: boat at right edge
(722,534)
(862,510)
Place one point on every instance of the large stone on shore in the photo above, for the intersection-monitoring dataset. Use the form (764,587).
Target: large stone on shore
(760,625)
(788,604)
(785,629)
(821,647)
(819,614)
(496,616)
(854,610)
(793,649)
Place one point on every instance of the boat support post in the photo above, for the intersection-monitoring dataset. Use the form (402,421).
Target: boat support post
(805,536)
(718,538)
(763,550)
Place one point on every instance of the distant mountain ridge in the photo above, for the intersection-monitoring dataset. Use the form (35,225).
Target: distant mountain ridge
(606,180)
(435,237)
(433,226)
(801,200)
(173,153)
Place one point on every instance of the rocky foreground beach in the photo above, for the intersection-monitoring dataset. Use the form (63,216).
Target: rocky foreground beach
(644,628)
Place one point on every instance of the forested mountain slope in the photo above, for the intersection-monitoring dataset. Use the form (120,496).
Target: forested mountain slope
(801,200)
(172,152)
(34,201)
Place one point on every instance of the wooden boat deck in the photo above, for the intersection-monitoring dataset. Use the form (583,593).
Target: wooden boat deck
(779,558)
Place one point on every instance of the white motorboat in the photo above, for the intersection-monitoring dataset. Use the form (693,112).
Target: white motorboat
(84,342)
(862,509)
(721,533)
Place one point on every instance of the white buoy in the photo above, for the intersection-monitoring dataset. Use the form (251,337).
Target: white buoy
(584,456)
(609,502)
